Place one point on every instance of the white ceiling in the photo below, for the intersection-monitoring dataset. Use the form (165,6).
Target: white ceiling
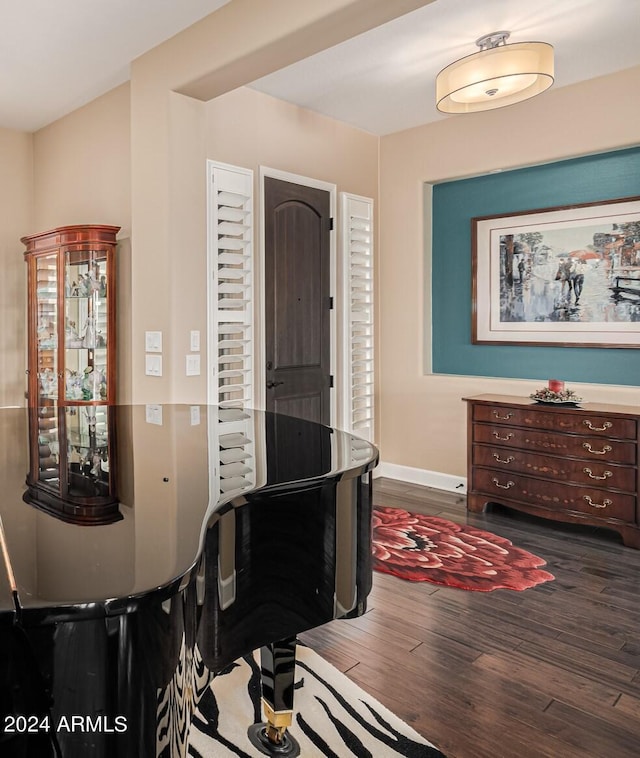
(384,80)
(57,55)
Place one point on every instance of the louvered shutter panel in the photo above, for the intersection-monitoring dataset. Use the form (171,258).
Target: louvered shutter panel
(232,327)
(233,448)
(357,255)
(232,433)
(237,465)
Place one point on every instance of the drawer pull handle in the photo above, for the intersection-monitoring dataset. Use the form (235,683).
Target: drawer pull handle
(591,475)
(603,504)
(504,418)
(498,437)
(503,460)
(503,486)
(603,428)
(606,449)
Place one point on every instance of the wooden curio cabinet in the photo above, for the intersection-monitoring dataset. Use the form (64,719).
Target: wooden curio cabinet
(71,372)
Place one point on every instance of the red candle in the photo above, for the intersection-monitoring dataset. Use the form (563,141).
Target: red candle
(555,385)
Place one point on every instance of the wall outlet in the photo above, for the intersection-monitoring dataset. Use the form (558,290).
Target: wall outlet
(153,365)
(193,365)
(194,411)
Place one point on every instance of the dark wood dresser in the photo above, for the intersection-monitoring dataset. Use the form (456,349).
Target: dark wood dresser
(566,463)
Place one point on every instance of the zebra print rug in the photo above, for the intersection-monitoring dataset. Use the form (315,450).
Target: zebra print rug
(333,716)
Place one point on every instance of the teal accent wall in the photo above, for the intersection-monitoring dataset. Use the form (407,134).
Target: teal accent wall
(580,180)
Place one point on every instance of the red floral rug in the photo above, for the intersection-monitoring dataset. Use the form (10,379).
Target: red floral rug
(431,549)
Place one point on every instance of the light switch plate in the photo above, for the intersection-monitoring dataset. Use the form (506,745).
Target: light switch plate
(153,365)
(195,415)
(194,345)
(153,342)
(193,365)
(153,414)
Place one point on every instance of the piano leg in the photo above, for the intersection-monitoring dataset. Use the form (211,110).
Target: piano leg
(277,664)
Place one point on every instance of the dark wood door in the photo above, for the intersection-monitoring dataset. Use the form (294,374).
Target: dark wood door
(297,300)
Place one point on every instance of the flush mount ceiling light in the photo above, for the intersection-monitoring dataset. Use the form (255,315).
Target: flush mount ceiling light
(497,75)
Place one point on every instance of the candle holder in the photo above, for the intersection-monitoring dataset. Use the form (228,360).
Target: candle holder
(556,394)
(555,385)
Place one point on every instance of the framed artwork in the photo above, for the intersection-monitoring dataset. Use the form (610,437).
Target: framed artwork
(567,276)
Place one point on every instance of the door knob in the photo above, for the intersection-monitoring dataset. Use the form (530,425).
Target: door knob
(271,384)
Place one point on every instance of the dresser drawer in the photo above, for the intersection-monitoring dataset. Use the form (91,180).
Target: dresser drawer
(591,474)
(503,486)
(575,422)
(590,448)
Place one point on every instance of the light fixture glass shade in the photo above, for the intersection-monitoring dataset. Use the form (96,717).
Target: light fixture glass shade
(493,78)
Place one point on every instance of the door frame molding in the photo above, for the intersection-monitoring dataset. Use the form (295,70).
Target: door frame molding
(259,283)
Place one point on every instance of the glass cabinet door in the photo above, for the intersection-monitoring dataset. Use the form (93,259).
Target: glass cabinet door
(48,447)
(47,470)
(47,327)
(85,325)
(87,451)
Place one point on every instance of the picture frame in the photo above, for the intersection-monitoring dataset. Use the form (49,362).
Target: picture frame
(566,276)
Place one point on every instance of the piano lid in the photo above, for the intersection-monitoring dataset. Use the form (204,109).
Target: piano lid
(178,468)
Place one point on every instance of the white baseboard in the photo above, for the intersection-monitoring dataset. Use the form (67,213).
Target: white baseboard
(423,477)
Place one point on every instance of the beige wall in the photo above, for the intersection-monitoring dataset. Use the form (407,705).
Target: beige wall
(83,176)
(82,166)
(422,417)
(16,199)
(239,43)
(136,157)
(248,129)
(74,171)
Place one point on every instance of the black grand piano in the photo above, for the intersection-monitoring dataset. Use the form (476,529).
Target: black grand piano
(233,530)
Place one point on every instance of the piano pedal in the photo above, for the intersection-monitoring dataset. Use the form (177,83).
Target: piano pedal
(273,740)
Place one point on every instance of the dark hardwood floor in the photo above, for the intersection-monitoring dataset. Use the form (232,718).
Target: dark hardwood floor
(552,671)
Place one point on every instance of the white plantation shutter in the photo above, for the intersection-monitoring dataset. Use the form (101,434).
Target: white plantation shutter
(237,463)
(231,329)
(231,301)
(233,449)
(358,283)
